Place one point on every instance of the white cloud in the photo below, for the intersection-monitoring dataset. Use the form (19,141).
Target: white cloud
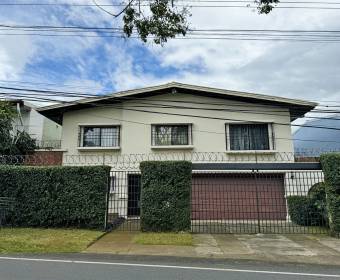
(304,70)
(15,53)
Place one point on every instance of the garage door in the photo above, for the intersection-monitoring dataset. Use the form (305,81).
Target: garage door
(238,197)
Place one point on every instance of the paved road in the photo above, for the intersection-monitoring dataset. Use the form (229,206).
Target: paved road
(99,267)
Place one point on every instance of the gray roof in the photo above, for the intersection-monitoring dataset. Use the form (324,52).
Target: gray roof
(296,106)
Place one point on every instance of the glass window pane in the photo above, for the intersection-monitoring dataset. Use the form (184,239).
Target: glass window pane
(179,135)
(165,135)
(249,137)
(101,136)
(91,137)
(109,137)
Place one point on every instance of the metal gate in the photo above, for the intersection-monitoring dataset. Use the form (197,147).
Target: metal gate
(257,198)
(234,198)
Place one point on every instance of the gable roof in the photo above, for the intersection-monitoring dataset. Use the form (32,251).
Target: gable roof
(297,107)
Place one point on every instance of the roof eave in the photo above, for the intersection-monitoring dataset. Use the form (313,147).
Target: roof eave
(297,107)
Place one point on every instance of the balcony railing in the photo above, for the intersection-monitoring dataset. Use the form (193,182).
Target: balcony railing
(48,144)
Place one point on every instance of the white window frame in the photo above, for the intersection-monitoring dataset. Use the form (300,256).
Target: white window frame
(190,136)
(271,135)
(81,137)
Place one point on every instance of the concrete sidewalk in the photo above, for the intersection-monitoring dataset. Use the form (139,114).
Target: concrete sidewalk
(299,248)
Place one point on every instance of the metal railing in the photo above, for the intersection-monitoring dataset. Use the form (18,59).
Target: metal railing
(6,206)
(48,144)
(232,201)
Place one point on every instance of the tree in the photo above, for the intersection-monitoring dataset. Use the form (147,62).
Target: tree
(11,142)
(161,19)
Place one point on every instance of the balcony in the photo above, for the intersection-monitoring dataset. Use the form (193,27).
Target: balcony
(48,144)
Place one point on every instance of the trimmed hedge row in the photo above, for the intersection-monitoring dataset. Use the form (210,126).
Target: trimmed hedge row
(331,168)
(56,196)
(303,211)
(309,210)
(165,195)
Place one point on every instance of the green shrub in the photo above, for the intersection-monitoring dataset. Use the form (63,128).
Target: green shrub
(317,192)
(56,196)
(317,195)
(303,211)
(331,168)
(165,196)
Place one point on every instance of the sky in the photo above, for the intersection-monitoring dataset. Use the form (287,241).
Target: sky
(305,70)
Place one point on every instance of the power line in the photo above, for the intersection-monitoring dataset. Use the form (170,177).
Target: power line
(192,116)
(82,95)
(314,35)
(160,105)
(215,132)
(110,93)
(296,40)
(187,4)
(120,29)
(221,34)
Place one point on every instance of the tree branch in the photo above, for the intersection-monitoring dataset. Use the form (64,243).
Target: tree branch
(111,14)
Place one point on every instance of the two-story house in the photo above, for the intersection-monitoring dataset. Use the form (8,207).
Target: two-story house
(166,121)
(46,132)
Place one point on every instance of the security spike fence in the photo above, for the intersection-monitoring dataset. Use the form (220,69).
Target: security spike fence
(131,161)
(230,192)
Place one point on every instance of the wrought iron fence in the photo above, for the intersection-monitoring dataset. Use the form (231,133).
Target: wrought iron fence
(6,207)
(231,192)
(257,202)
(234,201)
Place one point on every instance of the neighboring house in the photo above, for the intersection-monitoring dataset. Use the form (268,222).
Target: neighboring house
(46,132)
(182,119)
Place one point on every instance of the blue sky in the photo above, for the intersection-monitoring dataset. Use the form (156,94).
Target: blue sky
(97,65)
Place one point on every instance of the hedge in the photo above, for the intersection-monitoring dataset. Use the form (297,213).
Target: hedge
(317,195)
(56,196)
(165,196)
(309,210)
(303,211)
(331,168)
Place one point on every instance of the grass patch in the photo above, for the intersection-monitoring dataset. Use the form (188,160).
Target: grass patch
(37,240)
(179,239)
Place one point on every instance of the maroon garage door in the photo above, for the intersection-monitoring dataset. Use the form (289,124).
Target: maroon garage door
(238,196)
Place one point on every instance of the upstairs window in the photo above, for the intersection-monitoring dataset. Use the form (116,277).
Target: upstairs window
(244,137)
(99,136)
(171,135)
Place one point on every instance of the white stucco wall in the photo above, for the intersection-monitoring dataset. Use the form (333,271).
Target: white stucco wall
(208,134)
(36,125)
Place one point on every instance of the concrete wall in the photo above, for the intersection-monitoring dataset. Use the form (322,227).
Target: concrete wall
(208,134)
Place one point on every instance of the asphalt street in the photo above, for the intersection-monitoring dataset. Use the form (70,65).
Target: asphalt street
(99,267)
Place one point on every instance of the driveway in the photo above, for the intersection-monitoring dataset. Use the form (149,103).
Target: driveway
(298,248)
